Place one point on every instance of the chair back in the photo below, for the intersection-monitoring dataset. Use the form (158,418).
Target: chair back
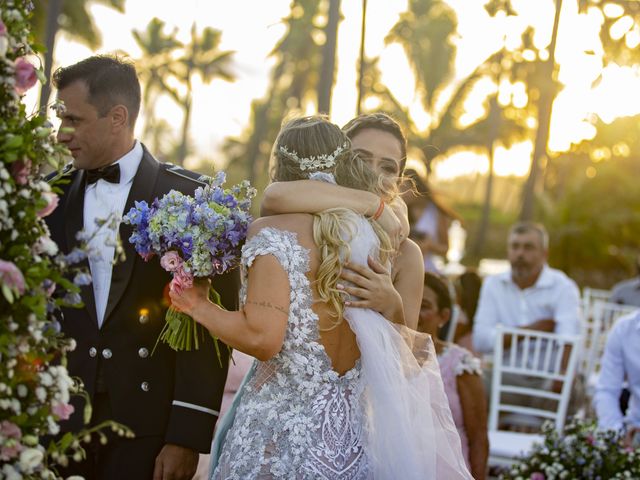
(532,354)
(590,296)
(604,316)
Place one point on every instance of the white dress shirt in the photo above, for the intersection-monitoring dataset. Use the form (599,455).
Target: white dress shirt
(502,302)
(620,363)
(102,199)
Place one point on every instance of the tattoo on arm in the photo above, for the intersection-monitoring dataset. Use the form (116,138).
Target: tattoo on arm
(265,304)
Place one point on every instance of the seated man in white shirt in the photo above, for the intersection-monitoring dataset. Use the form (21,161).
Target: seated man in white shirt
(530,295)
(620,363)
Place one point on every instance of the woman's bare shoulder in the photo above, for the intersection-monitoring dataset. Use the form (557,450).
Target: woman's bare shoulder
(301,224)
(292,222)
(409,254)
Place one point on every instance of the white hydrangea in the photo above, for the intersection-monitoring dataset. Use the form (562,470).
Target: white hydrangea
(41,394)
(30,458)
(10,473)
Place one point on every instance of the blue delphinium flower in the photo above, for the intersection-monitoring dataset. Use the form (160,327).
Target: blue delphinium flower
(206,229)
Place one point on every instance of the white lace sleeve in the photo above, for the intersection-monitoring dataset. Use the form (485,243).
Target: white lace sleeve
(468,364)
(281,244)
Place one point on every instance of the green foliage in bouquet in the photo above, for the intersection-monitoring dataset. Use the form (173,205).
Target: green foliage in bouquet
(35,387)
(581,451)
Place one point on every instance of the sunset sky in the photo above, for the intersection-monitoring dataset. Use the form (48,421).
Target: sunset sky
(222,109)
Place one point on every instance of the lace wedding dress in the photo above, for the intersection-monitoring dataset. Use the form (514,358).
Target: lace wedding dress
(386,418)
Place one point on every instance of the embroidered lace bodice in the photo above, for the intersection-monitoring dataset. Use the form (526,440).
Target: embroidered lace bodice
(298,419)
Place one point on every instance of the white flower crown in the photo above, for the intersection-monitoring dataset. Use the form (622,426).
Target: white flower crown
(319,162)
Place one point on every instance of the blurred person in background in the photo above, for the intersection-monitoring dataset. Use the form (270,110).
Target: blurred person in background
(461,376)
(429,219)
(530,295)
(627,292)
(468,286)
(620,363)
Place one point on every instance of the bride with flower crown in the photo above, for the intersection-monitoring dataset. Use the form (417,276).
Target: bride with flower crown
(336,392)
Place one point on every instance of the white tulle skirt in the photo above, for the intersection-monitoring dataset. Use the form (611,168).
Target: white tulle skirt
(410,430)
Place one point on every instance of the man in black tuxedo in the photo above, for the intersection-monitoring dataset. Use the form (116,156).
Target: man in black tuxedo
(170,400)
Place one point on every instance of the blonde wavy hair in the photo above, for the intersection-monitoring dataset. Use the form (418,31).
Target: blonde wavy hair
(333,229)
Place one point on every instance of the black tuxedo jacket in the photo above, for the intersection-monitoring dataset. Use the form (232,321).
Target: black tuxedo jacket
(177,395)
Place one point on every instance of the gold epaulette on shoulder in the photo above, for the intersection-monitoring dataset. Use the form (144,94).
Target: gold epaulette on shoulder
(189,175)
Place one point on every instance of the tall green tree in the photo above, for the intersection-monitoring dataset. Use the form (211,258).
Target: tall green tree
(362,58)
(547,94)
(328,68)
(71,16)
(591,203)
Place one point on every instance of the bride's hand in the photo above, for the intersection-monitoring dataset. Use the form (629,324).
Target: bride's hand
(187,300)
(374,288)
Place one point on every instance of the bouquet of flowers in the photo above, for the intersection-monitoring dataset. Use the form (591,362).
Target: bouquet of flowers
(580,451)
(194,237)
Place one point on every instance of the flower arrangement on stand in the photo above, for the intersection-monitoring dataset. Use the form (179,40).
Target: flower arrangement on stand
(580,451)
(35,279)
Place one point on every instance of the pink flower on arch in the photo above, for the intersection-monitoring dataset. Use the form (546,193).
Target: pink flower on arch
(11,276)
(21,170)
(11,448)
(3,29)
(25,76)
(537,476)
(62,410)
(52,203)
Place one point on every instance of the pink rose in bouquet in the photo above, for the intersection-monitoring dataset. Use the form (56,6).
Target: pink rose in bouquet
(171,261)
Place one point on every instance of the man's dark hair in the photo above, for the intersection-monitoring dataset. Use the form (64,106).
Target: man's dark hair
(378,121)
(440,286)
(111,81)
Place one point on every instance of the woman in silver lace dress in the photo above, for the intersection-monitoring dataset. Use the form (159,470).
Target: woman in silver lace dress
(337,392)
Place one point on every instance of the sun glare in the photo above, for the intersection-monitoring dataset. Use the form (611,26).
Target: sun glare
(222,109)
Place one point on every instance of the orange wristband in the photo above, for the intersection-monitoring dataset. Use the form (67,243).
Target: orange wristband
(378,213)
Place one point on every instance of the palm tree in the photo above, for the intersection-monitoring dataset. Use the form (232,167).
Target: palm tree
(327,71)
(154,66)
(72,16)
(293,83)
(548,92)
(201,57)
(426,32)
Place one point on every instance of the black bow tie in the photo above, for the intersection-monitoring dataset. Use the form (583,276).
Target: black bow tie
(110,173)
